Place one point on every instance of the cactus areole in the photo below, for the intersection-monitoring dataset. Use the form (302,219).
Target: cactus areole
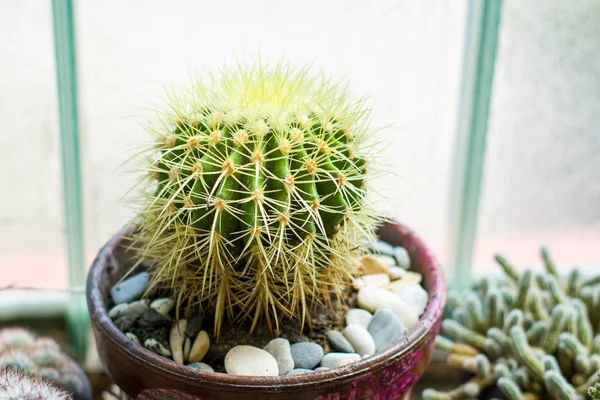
(254,193)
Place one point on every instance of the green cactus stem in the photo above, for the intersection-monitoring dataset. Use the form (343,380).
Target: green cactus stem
(558,387)
(448,345)
(457,332)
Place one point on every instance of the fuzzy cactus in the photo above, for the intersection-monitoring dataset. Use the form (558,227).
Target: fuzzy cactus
(254,196)
(16,385)
(594,391)
(533,336)
(40,357)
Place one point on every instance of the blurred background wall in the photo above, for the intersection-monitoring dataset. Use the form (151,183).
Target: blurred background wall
(542,167)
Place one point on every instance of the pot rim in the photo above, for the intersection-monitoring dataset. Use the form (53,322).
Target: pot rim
(104,324)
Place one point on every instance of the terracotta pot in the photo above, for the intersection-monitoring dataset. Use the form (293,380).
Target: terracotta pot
(389,374)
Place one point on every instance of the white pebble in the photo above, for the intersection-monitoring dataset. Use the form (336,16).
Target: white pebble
(158,348)
(250,361)
(360,339)
(163,305)
(402,257)
(373,298)
(415,296)
(407,278)
(386,261)
(176,339)
(358,316)
(396,273)
(187,347)
(376,280)
(280,349)
(335,360)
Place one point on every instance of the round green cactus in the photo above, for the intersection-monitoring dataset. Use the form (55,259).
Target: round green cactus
(256,193)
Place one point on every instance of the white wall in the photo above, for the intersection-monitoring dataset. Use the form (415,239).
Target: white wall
(405,54)
(542,172)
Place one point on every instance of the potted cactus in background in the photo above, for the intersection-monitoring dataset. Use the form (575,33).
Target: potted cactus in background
(250,247)
(529,336)
(36,368)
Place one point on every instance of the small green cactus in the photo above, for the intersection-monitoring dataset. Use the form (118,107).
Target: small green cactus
(537,335)
(254,196)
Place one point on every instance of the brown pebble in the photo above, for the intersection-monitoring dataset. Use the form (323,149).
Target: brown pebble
(370,265)
(200,347)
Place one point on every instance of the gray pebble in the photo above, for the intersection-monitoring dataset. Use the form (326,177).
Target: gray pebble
(339,342)
(280,349)
(402,257)
(385,328)
(125,323)
(300,371)
(201,366)
(135,308)
(306,355)
(194,326)
(381,247)
(118,310)
(130,289)
(153,319)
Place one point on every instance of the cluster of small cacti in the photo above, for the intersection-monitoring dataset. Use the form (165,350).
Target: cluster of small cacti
(23,352)
(594,391)
(254,194)
(15,385)
(534,336)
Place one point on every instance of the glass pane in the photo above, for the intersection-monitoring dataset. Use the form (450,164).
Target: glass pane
(405,54)
(543,155)
(32,245)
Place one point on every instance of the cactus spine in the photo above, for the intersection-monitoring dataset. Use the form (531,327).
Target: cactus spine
(534,336)
(255,196)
